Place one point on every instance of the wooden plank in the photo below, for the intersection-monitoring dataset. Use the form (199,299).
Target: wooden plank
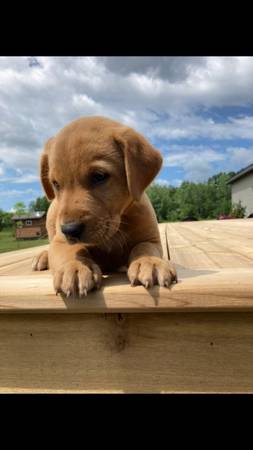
(212,244)
(163,235)
(9,261)
(206,282)
(167,350)
(133,353)
(228,238)
(202,290)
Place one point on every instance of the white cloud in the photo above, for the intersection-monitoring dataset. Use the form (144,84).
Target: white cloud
(27,178)
(171,68)
(21,179)
(20,158)
(195,161)
(239,157)
(211,81)
(161,97)
(17,193)
(169,181)
(162,182)
(176,182)
(181,153)
(198,162)
(195,127)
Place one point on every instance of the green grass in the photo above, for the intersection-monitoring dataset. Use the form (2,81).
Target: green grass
(8,241)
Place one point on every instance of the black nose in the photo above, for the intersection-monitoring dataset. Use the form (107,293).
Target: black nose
(72,229)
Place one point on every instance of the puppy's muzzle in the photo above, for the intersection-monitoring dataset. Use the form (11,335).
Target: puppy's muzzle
(73,229)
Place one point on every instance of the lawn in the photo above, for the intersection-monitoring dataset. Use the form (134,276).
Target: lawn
(8,241)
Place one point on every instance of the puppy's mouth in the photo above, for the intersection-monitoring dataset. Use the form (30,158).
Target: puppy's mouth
(99,232)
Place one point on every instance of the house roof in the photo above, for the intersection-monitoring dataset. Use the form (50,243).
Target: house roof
(32,215)
(243,172)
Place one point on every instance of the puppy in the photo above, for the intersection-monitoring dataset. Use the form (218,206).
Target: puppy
(95,171)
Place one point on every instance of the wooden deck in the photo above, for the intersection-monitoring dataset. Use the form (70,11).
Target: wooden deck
(214,260)
(196,336)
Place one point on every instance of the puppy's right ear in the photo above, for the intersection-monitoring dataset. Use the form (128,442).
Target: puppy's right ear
(44,169)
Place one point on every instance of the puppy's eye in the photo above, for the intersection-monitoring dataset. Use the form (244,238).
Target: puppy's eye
(56,185)
(98,178)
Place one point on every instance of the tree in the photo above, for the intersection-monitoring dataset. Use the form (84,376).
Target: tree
(19,208)
(221,193)
(40,204)
(1,219)
(5,219)
(192,200)
(163,201)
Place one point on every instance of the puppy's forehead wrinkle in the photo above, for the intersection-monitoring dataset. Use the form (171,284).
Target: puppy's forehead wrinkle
(79,160)
(87,142)
(107,153)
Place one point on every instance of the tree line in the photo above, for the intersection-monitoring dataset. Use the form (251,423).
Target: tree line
(189,201)
(195,201)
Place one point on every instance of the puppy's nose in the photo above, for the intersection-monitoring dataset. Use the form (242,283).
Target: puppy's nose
(72,229)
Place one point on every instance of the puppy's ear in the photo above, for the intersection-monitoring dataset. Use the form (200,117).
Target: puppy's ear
(44,169)
(142,161)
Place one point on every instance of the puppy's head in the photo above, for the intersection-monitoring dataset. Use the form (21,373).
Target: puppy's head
(95,168)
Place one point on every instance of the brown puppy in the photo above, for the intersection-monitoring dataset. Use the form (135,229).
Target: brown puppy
(95,171)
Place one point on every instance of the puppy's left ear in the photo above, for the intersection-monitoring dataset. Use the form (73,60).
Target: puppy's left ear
(142,160)
(44,170)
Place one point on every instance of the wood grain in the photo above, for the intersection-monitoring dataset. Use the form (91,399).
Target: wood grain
(134,353)
(196,291)
(212,244)
(214,261)
(197,337)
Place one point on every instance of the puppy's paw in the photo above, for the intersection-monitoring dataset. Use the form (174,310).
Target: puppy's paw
(77,278)
(151,270)
(40,262)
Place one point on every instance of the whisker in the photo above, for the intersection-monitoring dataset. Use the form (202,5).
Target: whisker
(108,234)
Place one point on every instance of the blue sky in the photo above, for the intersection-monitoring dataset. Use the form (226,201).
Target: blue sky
(197,110)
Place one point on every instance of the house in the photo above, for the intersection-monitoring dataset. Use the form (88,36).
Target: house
(242,189)
(32,225)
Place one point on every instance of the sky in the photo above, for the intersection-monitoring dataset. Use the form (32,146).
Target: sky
(198,111)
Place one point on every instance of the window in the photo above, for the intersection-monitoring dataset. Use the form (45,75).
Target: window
(28,222)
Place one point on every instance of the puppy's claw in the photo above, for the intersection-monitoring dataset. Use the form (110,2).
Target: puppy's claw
(96,278)
(83,292)
(150,271)
(68,293)
(97,281)
(40,262)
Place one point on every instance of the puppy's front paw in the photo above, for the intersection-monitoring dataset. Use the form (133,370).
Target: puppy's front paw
(77,278)
(40,262)
(150,270)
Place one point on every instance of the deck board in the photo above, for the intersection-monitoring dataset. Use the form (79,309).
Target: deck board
(212,244)
(214,260)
